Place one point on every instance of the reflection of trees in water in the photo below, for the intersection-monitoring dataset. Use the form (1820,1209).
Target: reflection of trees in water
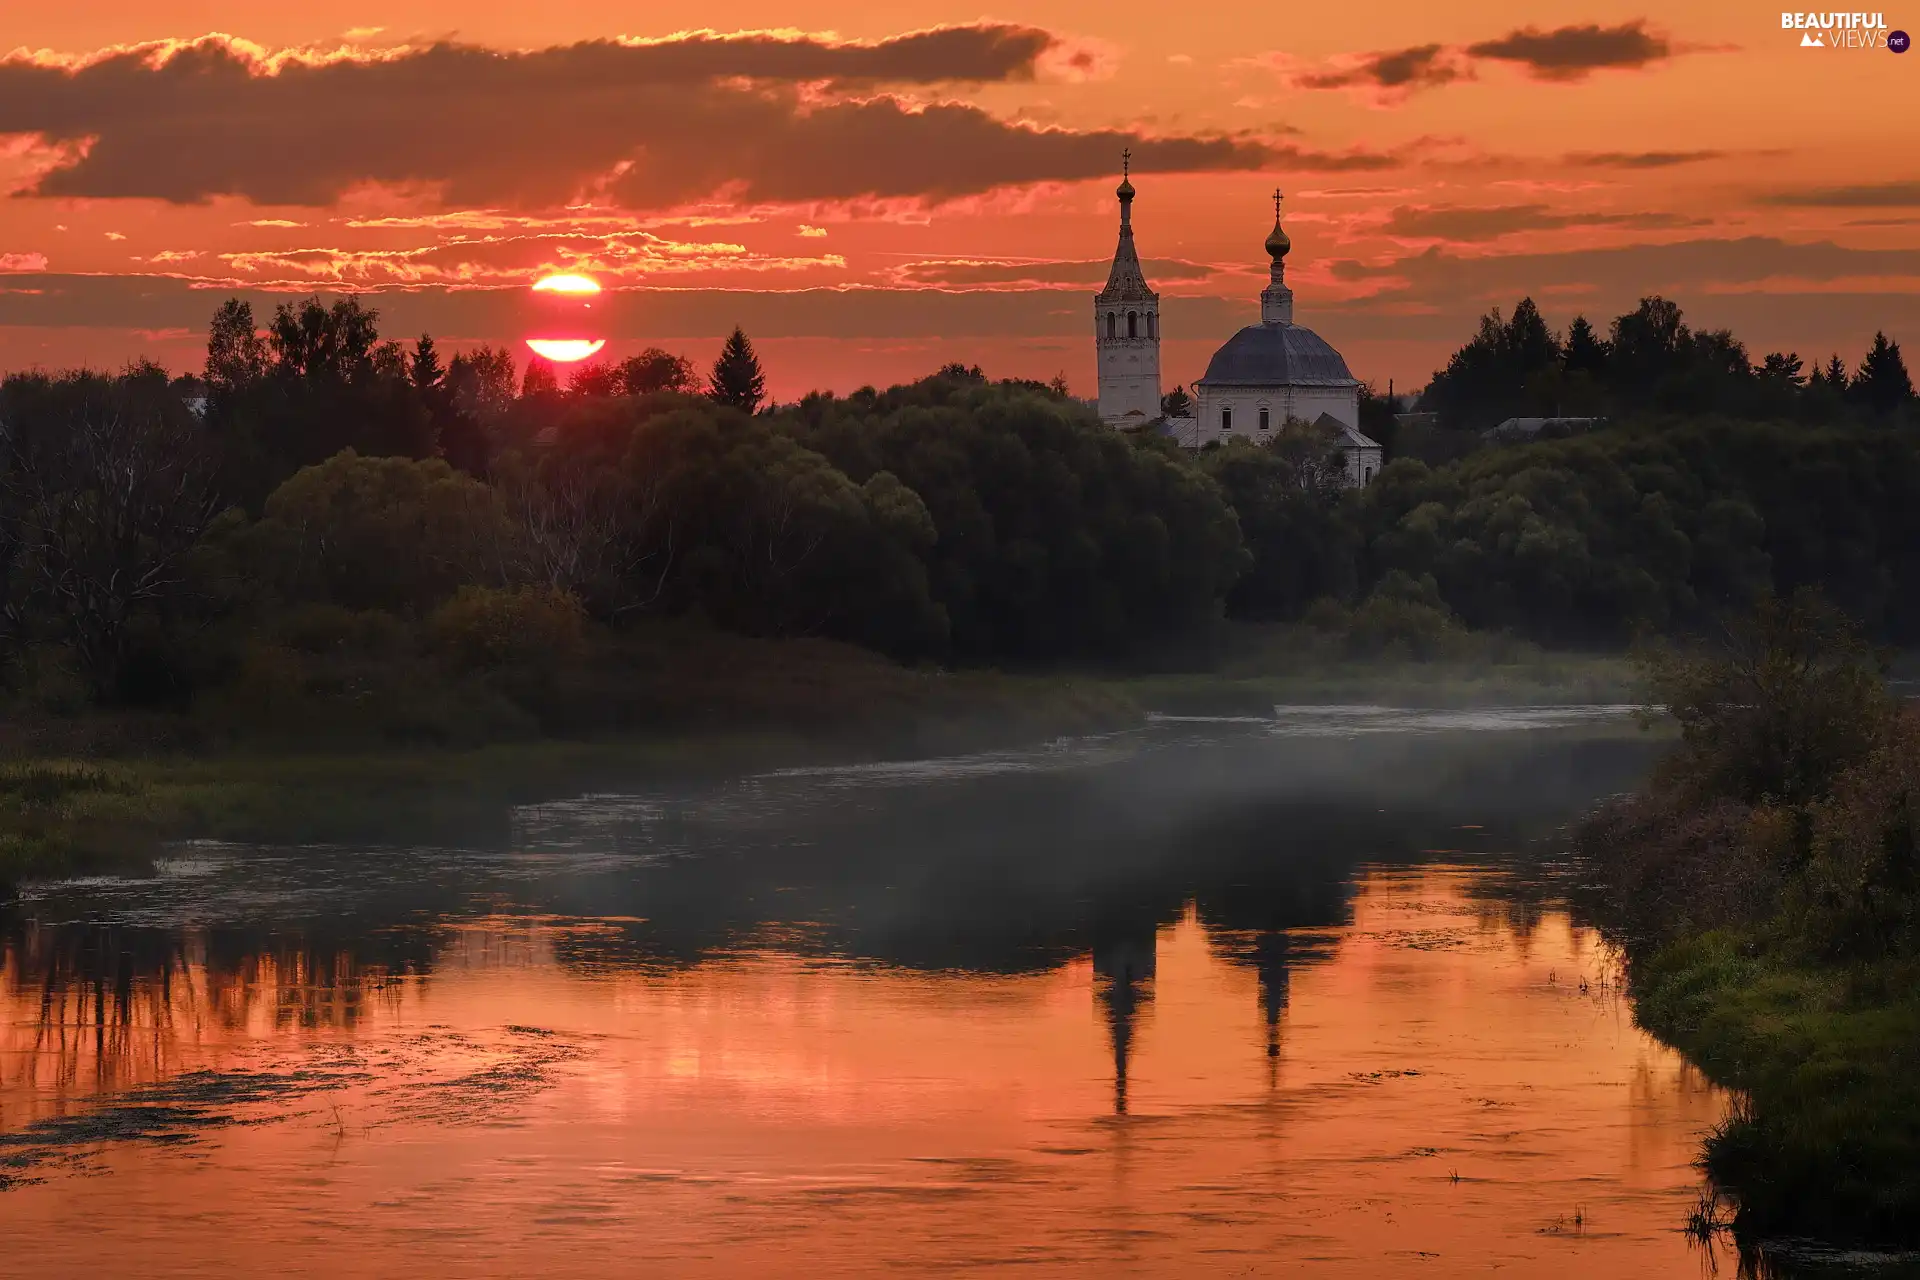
(87,1008)
(1010,873)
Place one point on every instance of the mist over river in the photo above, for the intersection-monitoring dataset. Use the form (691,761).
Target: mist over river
(1259,996)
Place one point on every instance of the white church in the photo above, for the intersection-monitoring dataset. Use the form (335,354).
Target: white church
(1266,375)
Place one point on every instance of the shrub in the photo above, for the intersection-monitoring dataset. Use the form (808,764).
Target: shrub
(523,629)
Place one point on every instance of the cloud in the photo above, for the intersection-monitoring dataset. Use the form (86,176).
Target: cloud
(1876,195)
(147,302)
(974,273)
(23,262)
(1750,265)
(1384,78)
(1565,54)
(646,124)
(1572,53)
(1423,66)
(1454,222)
(1639,159)
(497,261)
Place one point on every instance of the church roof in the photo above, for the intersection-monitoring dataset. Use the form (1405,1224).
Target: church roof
(1126,282)
(1277,355)
(1350,437)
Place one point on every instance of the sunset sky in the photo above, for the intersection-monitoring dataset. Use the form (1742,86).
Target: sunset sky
(875,189)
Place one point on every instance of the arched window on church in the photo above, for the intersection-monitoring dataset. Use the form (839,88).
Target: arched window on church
(1226,419)
(1133,324)
(1263,417)
(1150,326)
(1110,323)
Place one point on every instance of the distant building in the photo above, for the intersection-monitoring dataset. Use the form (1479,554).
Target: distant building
(1267,375)
(1126,328)
(1517,429)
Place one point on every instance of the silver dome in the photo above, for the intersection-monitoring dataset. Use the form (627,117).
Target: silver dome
(1277,355)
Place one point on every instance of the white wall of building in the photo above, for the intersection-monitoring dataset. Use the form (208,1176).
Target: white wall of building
(1129,368)
(1303,404)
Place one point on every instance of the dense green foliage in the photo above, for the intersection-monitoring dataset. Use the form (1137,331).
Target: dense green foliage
(1766,885)
(1652,361)
(1660,524)
(174,542)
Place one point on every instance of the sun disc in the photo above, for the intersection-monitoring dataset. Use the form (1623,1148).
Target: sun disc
(566,283)
(565,350)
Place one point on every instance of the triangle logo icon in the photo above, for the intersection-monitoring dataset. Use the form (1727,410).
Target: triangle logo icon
(1812,41)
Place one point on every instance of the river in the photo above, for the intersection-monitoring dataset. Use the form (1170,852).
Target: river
(1270,996)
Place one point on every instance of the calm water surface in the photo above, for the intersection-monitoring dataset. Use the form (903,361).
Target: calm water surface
(1256,997)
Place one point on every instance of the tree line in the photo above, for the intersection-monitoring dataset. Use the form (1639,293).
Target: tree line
(1650,360)
(320,504)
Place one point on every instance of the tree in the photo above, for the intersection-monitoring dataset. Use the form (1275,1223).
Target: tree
(1791,696)
(480,382)
(737,380)
(424,368)
(107,486)
(594,378)
(1587,352)
(378,533)
(236,356)
(319,343)
(1783,370)
(1176,403)
(1650,344)
(1530,346)
(654,370)
(1883,383)
(540,379)
(1510,367)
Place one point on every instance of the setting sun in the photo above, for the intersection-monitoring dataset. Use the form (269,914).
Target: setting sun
(565,350)
(566,284)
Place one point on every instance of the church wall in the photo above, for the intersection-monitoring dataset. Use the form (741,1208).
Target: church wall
(1129,370)
(1305,404)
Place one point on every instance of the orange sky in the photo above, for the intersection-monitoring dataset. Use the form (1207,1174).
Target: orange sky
(870,202)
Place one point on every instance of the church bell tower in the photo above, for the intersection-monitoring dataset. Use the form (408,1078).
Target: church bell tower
(1126,327)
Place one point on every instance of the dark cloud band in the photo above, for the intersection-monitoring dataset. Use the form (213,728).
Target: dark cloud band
(650,125)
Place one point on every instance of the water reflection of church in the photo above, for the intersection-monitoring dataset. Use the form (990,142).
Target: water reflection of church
(1126,962)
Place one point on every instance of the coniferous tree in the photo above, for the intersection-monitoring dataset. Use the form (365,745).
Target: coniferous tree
(1837,372)
(737,380)
(1176,403)
(1586,350)
(1883,383)
(424,368)
(1784,369)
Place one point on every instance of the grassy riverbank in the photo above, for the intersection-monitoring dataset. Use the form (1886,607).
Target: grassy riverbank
(332,736)
(1765,886)
(399,756)
(1826,1142)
